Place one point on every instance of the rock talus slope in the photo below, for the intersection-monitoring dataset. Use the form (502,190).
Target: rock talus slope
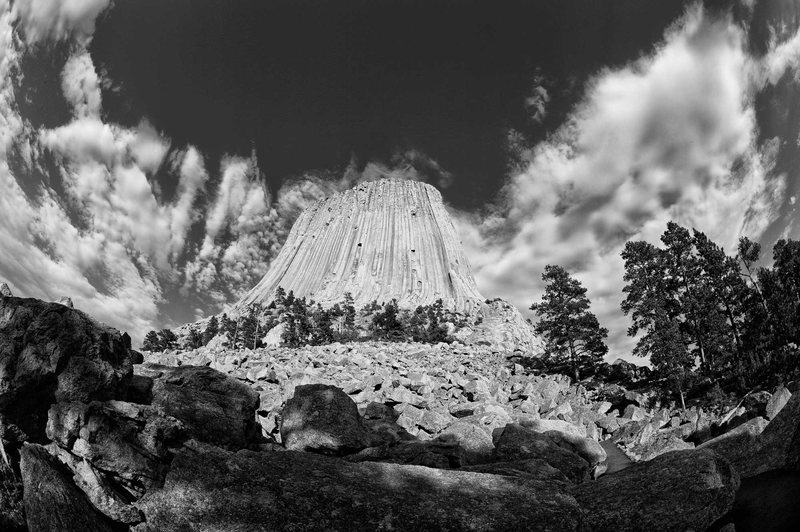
(381,240)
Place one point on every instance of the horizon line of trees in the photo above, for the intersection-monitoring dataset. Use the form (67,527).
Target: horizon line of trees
(309,323)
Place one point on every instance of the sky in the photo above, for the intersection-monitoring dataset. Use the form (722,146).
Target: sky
(154,155)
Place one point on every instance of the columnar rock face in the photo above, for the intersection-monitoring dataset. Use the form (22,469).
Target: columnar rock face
(382,240)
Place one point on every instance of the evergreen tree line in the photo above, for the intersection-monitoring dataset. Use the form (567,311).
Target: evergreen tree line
(309,323)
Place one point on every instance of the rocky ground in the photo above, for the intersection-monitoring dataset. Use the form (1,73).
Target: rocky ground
(363,436)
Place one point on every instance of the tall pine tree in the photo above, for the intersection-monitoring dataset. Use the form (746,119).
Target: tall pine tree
(572,334)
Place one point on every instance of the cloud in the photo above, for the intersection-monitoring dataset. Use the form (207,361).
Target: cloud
(81,85)
(59,19)
(781,57)
(671,136)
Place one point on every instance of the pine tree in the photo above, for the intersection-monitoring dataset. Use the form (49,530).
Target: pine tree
(349,313)
(167,339)
(386,324)
(211,330)
(247,330)
(227,326)
(152,342)
(194,339)
(571,331)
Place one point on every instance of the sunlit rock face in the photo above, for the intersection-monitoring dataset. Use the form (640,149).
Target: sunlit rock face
(380,241)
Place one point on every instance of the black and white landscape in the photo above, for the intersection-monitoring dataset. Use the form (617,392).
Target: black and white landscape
(399,265)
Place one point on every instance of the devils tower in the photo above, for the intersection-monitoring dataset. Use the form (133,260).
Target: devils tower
(379,241)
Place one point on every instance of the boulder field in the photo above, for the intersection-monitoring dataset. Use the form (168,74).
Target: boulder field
(343,437)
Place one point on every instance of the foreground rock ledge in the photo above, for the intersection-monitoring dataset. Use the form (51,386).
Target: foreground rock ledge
(211,489)
(676,491)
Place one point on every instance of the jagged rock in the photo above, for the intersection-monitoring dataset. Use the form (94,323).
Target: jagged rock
(52,502)
(66,301)
(323,419)
(5,291)
(51,353)
(476,444)
(519,443)
(304,491)
(777,402)
(213,407)
(97,489)
(677,491)
(557,425)
(130,444)
(658,444)
(12,514)
(634,413)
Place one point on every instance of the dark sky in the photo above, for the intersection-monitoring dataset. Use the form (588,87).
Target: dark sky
(310,83)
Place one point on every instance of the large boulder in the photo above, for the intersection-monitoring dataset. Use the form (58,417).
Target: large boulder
(738,442)
(520,443)
(677,491)
(212,406)
(777,402)
(52,502)
(777,447)
(50,353)
(130,445)
(322,418)
(476,444)
(211,489)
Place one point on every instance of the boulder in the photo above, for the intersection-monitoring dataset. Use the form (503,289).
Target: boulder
(677,491)
(274,337)
(323,419)
(777,402)
(475,443)
(212,406)
(586,448)
(212,489)
(777,447)
(52,502)
(735,444)
(658,444)
(557,425)
(519,443)
(98,490)
(130,444)
(5,291)
(634,413)
(66,301)
(50,353)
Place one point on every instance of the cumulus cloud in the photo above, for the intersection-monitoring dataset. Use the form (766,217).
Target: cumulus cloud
(81,85)
(669,137)
(59,19)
